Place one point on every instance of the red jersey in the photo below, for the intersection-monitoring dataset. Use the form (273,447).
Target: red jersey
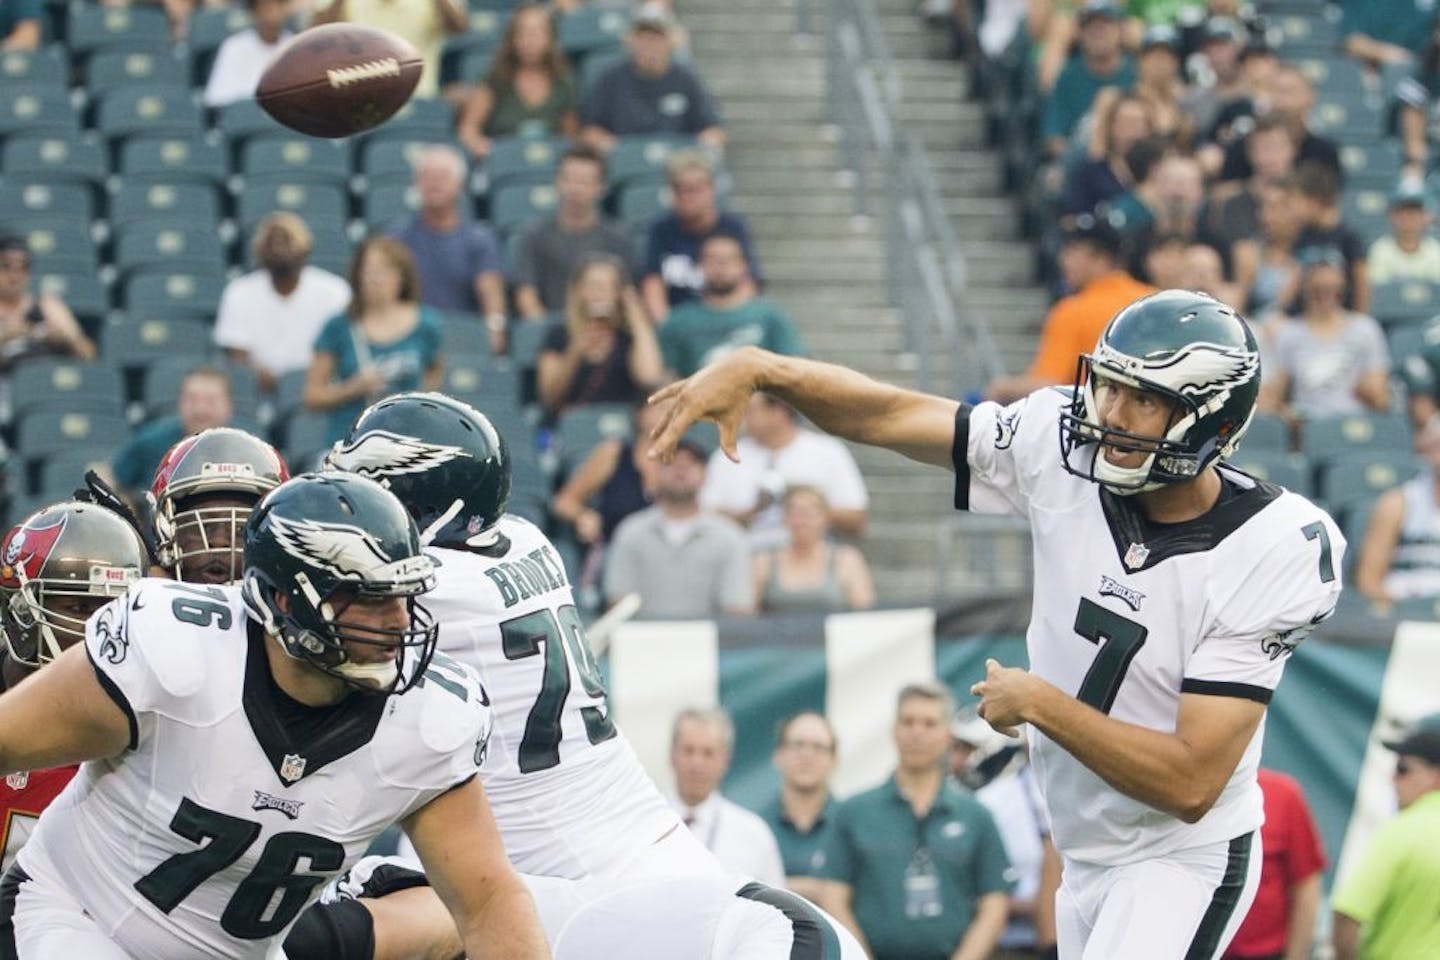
(1293,853)
(23,797)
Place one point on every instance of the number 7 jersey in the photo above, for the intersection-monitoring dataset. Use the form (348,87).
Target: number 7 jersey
(566,788)
(1129,614)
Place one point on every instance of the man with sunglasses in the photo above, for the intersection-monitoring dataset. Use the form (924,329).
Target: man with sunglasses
(1169,590)
(1389,905)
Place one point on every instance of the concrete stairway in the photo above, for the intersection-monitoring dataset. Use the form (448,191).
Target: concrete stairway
(825,266)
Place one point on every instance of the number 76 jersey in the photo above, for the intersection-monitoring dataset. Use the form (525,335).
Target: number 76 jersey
(1128,615)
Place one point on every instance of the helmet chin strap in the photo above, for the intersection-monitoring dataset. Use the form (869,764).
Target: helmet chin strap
(433,529)
(380,675)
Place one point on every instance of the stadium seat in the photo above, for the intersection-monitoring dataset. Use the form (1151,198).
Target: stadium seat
(1333,438)
(462,334)
(642,201)
(84,293)
(592,28)
(61,474)
(173,159)
(1266,433)
(188,203)
(44,67)
(297,160)
(1289,470)
(36,111)
(195,293)
(133,110)
(483,37)
(289,392)
(169,243)
(642,158)
(93,27)
(331,246)
(580,429)
(54,158)
(595,66)
(1366,211)
(209,26)
(473,66)
(244,119)
(1404,301)
(389,202)
(515,205)
(302,437)
(1363,477)
(1354,120)
(520,160)
(41,433)
(419,119)
(64,384)
(1330,74)
(1372,166)
(18,507)
(109,70)
(57,244)
(391,159)
(313,202)
(31,197)
(134,343)
(480,378)
(162,378)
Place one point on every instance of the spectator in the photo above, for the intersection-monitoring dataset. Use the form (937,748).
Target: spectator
(701,744)
(685,563)
(1400,555)
(1209,106)
(606,351)
(385,342)
(1318,200)
(243,56)
(1159,83)
(809,573)
(728,314)
(550,249)
(1409,253)
(672,269)
(20,25)
(801,813)
(1266,270)
(1100,63)
(1281,921)
(1124,120)
(1290,96)
(777,453)
(616,477)
(529,91)
(916,867)
(203,402)
(1129,212)
(1176,200)
(648,93)
(1205,271)
(1090,264)
(1387,907)
(458,258)
(33,325)
(1271,149)
(1418,107)
(270,317)
(1328,361)
(1163,262)
(1379,32)
(424,23)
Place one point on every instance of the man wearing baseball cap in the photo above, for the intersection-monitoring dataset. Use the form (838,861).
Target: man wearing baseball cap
(1389,906)
(1100,63)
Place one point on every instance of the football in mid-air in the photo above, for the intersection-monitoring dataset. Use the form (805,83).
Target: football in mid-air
(339,79)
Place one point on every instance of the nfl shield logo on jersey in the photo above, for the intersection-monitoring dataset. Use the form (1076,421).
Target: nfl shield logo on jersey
(1135,557)
(17,781)
(292,768)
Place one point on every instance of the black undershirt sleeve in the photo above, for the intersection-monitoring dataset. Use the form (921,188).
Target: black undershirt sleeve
(959,456)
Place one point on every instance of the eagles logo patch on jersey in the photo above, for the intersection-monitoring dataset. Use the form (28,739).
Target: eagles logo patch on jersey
(110,629)
(380,453)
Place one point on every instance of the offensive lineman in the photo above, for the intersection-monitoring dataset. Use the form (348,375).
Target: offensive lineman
(1169,589)
(244,744)
(602,849)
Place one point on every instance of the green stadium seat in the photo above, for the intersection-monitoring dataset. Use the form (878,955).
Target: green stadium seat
(18,507)
(54,158)
(419,119)
(483,37)
(162,290)
(1335,438)
(331,246)
(310,200)
(472,66)
(1347,121)
(1366,210)
(1404,301)
(302,436)
(134,343)
(1365,476)
(84,293)
(295,159)
(179,202)
(57,240)
(92,27)
(53,383)
(1289,470)
(289,392)
(209,26)
(1374,166)
(41,433)
(462,334)
(36,111)
(520,160)
(244,119)
(580,429)
(391,159)
(526,339)
(44,67)
(168,244)
(30,197)
(109,70)
(1266,433)
(592,28)
(150,111)
(642,201)
(162,378)
(389,202)
(513,206)
(594,66)
(63,473)
(146,159)
(477,377)
(642,158)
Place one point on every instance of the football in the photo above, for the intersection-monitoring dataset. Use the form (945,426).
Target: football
(339,79)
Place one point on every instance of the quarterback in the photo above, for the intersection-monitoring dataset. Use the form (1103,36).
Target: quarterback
(239,746)
(1169,589)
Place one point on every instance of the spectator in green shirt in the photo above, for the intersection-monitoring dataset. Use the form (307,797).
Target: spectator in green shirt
(727,316)
(20,24)
(800,816)
(1388,908)
(1377,32)
(916,867)
(1100,63)
(204,401)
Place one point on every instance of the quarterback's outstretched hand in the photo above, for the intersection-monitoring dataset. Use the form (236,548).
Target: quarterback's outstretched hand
(719,393)
(1005,694)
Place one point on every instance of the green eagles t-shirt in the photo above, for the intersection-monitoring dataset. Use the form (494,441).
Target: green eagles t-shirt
(696,334)
(404,362)
(1074,92)
(1405,23)
(802,853)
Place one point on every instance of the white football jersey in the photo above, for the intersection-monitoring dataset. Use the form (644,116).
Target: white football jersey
(221,821)
(566,788)
(1128,615)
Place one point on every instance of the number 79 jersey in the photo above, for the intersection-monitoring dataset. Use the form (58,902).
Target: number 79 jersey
(232,808)
(1128,615)
(565,787)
